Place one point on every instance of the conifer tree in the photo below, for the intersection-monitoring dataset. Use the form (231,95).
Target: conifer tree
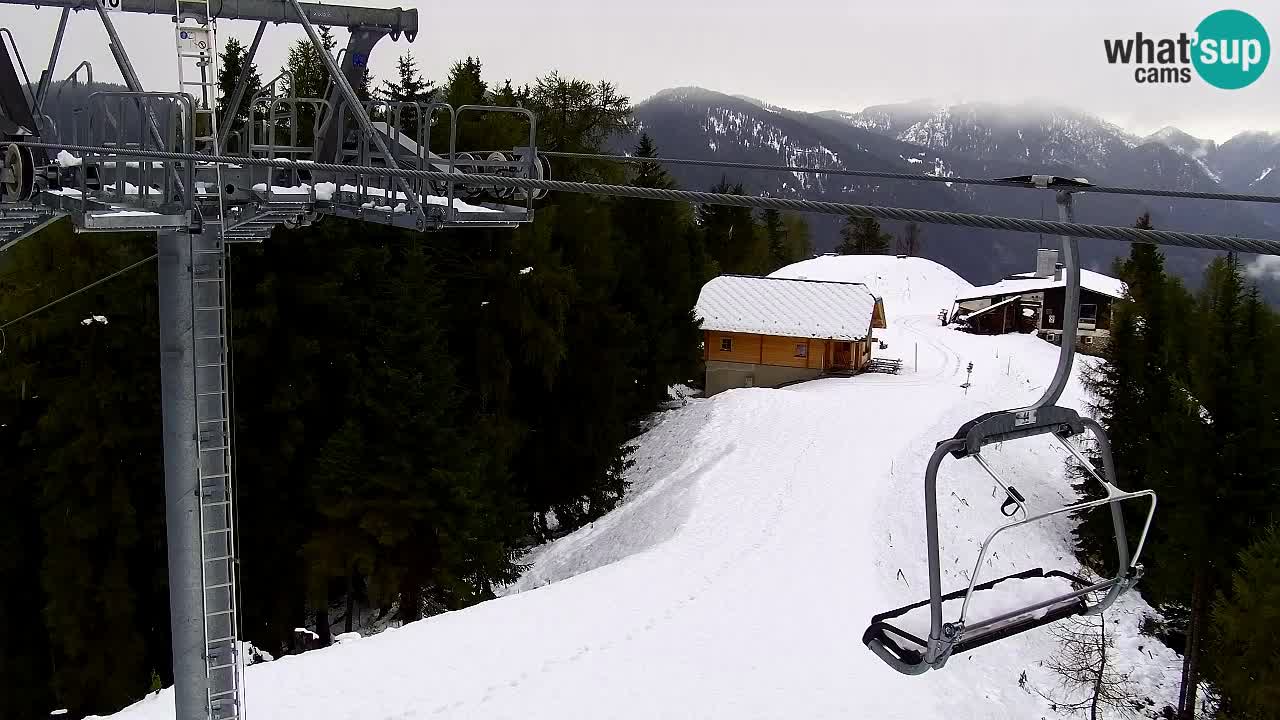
(1244,622)
(799,238)
(910,242)
(863,236)
(231,65)
(659,283)
(775,235)
(409,84)
(731,235)
(88,401)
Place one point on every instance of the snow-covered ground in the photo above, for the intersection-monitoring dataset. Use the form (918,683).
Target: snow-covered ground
(909,286)
(762,530)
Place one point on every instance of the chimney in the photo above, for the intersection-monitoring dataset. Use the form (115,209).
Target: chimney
(1057,272)
(1046,262)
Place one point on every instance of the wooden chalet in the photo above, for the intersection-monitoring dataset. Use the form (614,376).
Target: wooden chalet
(767,332)
(1034,301)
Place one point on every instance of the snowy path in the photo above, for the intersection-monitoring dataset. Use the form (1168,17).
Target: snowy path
(762,530)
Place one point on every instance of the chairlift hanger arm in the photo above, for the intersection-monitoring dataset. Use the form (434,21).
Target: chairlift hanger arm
(397,20)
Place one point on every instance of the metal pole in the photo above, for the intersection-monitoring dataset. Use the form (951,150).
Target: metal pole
(352,62)
(43,90)
(353,102)
(939,646)
(1071,306)
(229,112)
(182,500)
(127,72)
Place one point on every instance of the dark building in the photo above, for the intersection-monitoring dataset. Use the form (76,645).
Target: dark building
(1033,302)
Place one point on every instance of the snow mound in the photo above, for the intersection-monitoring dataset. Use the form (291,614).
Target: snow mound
(909,286)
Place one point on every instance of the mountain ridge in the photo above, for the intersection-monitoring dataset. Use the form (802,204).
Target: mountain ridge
(975,139)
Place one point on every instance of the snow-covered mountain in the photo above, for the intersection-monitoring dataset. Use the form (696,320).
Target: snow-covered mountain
(700,123)
(761,531)
(971,140)
(1184,143)
(1250,162)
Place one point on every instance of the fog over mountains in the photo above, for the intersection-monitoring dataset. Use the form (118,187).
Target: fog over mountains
(975,140)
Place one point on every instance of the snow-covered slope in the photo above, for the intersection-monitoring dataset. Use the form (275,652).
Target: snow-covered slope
(762,530)
(908,286)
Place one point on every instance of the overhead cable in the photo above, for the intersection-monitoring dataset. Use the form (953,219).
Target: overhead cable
(1104,189)
(989,222)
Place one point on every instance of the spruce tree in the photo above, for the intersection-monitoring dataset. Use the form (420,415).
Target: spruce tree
(863,236)
(799,237)
(731,235)
(409,85)
(231,65)
(1245,620)
(87,407)
(775,236)
(659,282)
(910,242)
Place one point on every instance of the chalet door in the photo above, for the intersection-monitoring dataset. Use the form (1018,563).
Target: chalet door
(843,355)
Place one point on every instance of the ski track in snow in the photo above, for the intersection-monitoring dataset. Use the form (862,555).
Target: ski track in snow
(761,531)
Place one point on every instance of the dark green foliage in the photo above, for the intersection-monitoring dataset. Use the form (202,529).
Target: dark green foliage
(910,243)
(797,237)
(732,237)
(231,65)
(1245,621)
(311,78)
(666,269)
(81,471)
(775,235)
(863,236)
(413,410)
(409,85)
(1185,393)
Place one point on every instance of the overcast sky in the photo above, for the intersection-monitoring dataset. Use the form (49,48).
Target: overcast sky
(803,54)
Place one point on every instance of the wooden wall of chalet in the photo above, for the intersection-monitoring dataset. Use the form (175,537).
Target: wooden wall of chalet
(743,347)
(765,349)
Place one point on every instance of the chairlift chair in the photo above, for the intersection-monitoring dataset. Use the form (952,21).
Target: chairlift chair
(906,648)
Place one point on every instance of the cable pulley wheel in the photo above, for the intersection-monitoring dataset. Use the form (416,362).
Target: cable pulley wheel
(20,163)
(500,191)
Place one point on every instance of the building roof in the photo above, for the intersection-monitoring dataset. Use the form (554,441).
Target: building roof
(1029,283)
(989,308)
(786,307)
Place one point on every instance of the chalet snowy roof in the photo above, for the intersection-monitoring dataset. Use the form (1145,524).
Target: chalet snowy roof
(1028,283)
(786,307)
(991,307)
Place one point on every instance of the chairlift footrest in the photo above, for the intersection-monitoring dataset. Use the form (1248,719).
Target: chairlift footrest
(908,649)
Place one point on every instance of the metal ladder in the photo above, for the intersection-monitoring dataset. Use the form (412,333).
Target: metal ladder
(196,43)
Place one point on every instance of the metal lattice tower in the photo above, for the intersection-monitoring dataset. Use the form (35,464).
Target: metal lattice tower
(195,36)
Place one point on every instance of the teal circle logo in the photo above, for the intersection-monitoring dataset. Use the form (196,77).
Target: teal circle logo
(1232,49)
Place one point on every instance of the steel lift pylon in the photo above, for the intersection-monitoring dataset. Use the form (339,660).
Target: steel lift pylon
(198,209)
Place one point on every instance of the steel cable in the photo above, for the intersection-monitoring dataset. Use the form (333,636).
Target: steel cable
(1226,243)
(1240,197)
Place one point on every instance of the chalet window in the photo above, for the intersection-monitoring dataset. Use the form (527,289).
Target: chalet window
(726,344)
(802,350)
(1088,312)
(1088,339)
